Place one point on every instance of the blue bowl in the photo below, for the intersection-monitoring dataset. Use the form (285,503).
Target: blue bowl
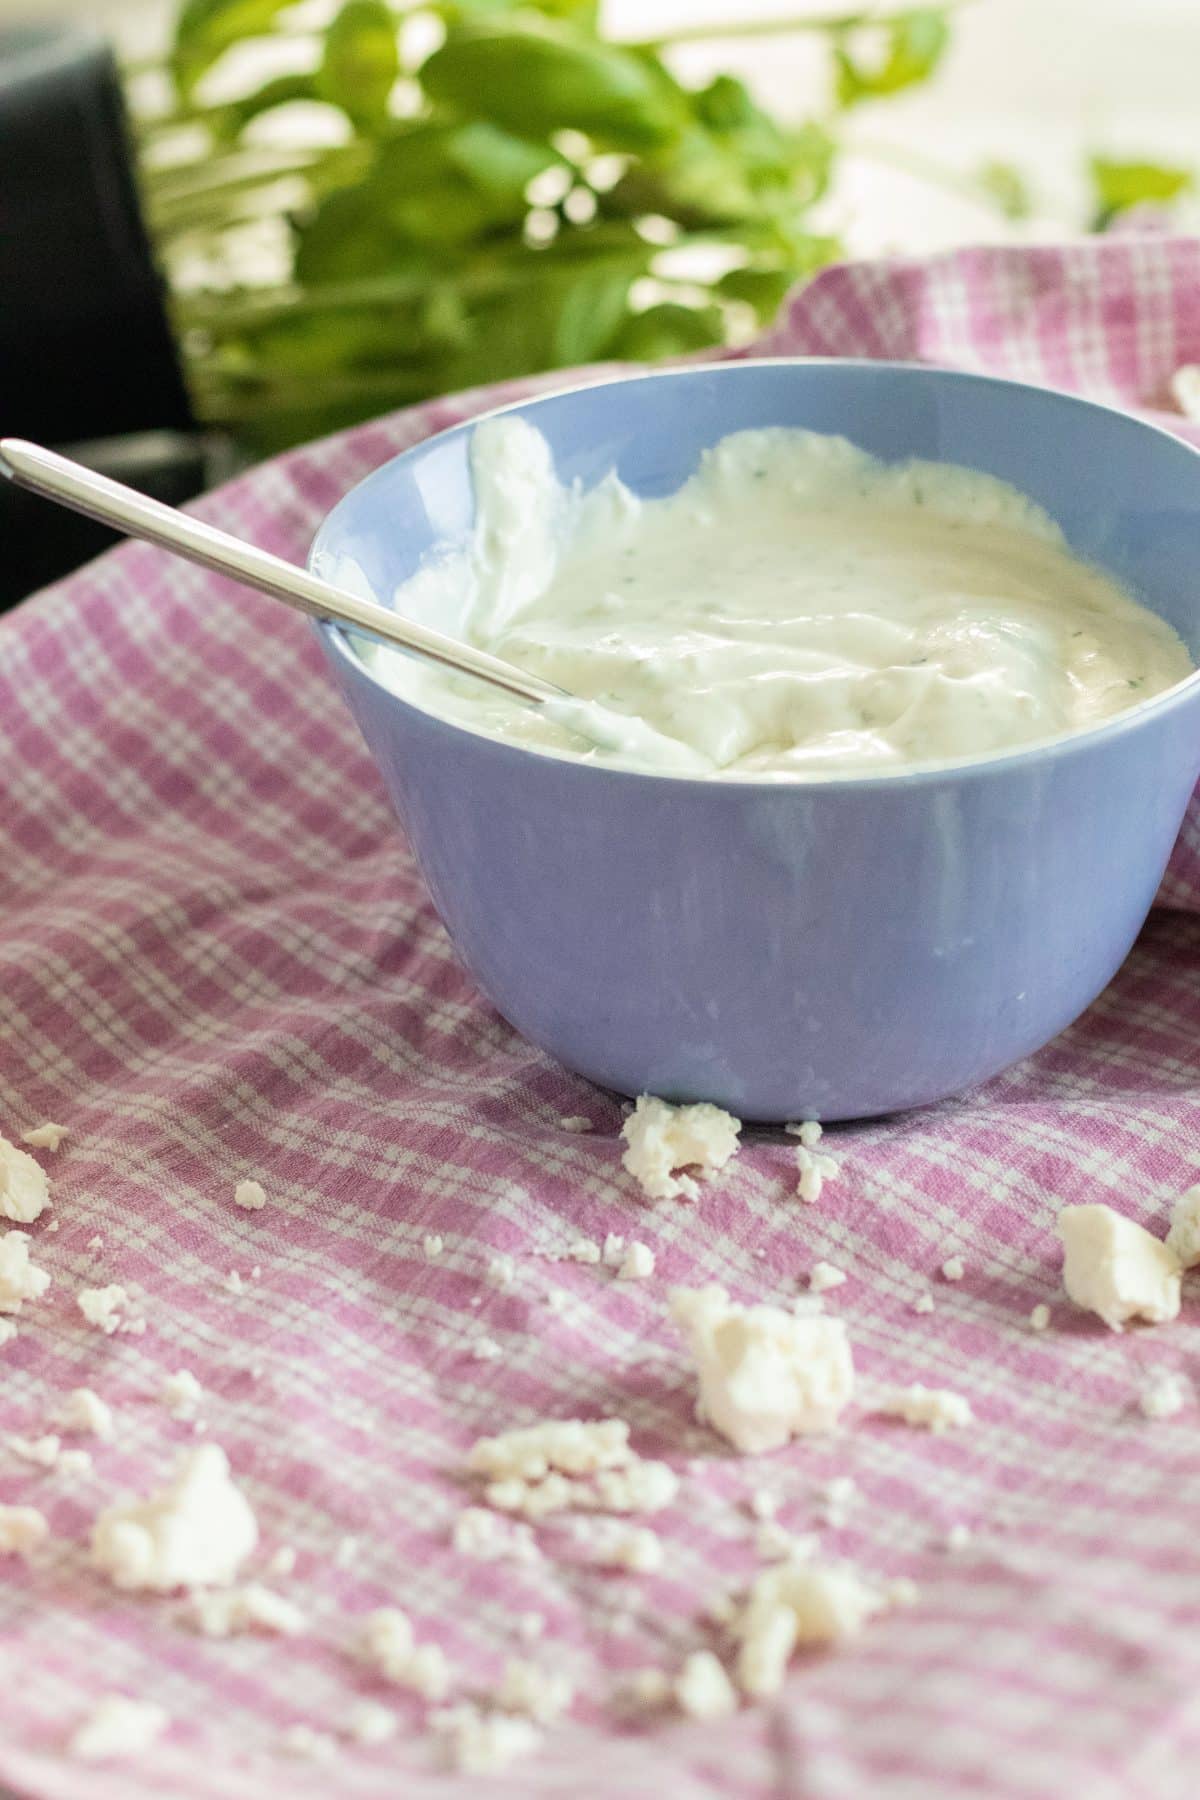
(813,948)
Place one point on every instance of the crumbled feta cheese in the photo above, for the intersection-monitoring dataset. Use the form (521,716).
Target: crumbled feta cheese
(73,1462)
(839,1496)
(1185,387)
(8,1332)
(542,1695)
(614,1250)
(1116,1269)
(479,1743)
(251,1195)
(41,1451)
(570,1445)
(108,1309)
(762,1504)
(223,1612)
(20,1280)
(774,1543)
(479,1533)
(387,1643)
(432,1245)
(575,1122)
(1166,1393)
(649,1687)
(85,1411)
(95,1243)
(1039,1318)
(823,1276)
(814,1169)
(633,1547)
(501,1270)
(764,1375)
(637,1264)
(807,1130)
(923,1303)
(283,1562)
(954,1268)
(641,1487)
(118,1726)
(582,1250)
(195,1532)
(1184,1236)
(935,1408)
(794,1604)
(661,1139)
(24,1190)
(369,1723)
(233,1283)
(958,1537)
(44,1137)
(702,1688)
(308,1745)
(486,1349)
(22,1530)
(52,1227)
(181,1394)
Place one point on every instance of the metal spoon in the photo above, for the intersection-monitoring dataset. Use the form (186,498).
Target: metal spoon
(58,478)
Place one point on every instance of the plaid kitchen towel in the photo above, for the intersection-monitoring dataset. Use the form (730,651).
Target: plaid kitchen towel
(217,962)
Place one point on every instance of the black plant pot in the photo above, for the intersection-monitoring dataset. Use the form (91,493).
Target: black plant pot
(86,351)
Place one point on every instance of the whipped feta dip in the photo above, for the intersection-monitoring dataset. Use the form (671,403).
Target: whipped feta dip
(797,608)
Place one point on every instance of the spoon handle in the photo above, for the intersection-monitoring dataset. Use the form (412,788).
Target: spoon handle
(136,515)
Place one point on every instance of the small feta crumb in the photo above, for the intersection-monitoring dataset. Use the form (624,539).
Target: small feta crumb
(632,1547)
(95,1243)
(569,1445)
(795,1604)
(1113,1267)
(1185,387)
(637,1264)
(486,1349)
(542,1695)
(24,1190)
(721,1610)
(649,1687)
(117,1726)
(85,1412)
(224,1612)
(283,1562)
(479,1743)
(8,1332)
(575,1122)
(762,1504)
(937,1409)
(501,1270)
(1039,1318)
(432,1246)
(1166,1393)
(662,1139)
(923,1303)
(954,1268)
(251,1195)
(44,1137)
(839,1496)
(582,1250)
(195,1532)
(774,1543)
(52,1227)
(613,1251)
(73,1462)
(20,1279)
(387,1644)
(558,1300)
(814,1169)
(22,1530)
(369,1723)
(108,1309)
(181,1394)
(1184,1236)
(42,1452)
(307,1745)
(823,1276)
(233,1283)
(764,1375)
(958,1537)
(807,1130)
(702,1688)
(481,1534)
(902,1591)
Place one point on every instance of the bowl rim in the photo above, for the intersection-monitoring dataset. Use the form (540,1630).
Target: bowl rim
(337,640)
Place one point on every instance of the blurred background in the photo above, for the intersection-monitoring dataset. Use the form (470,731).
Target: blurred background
(227,226)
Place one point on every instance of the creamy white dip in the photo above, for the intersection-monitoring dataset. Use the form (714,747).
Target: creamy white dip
(797,608)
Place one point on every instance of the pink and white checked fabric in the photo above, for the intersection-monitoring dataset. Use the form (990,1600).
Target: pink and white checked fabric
(217,960)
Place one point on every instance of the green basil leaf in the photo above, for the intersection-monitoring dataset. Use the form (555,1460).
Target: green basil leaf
(667,330)
(590,314)
(361,62)
(1116,186)
(535,77)
(207,28)
(282,90)
(913,45)
(761,288)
